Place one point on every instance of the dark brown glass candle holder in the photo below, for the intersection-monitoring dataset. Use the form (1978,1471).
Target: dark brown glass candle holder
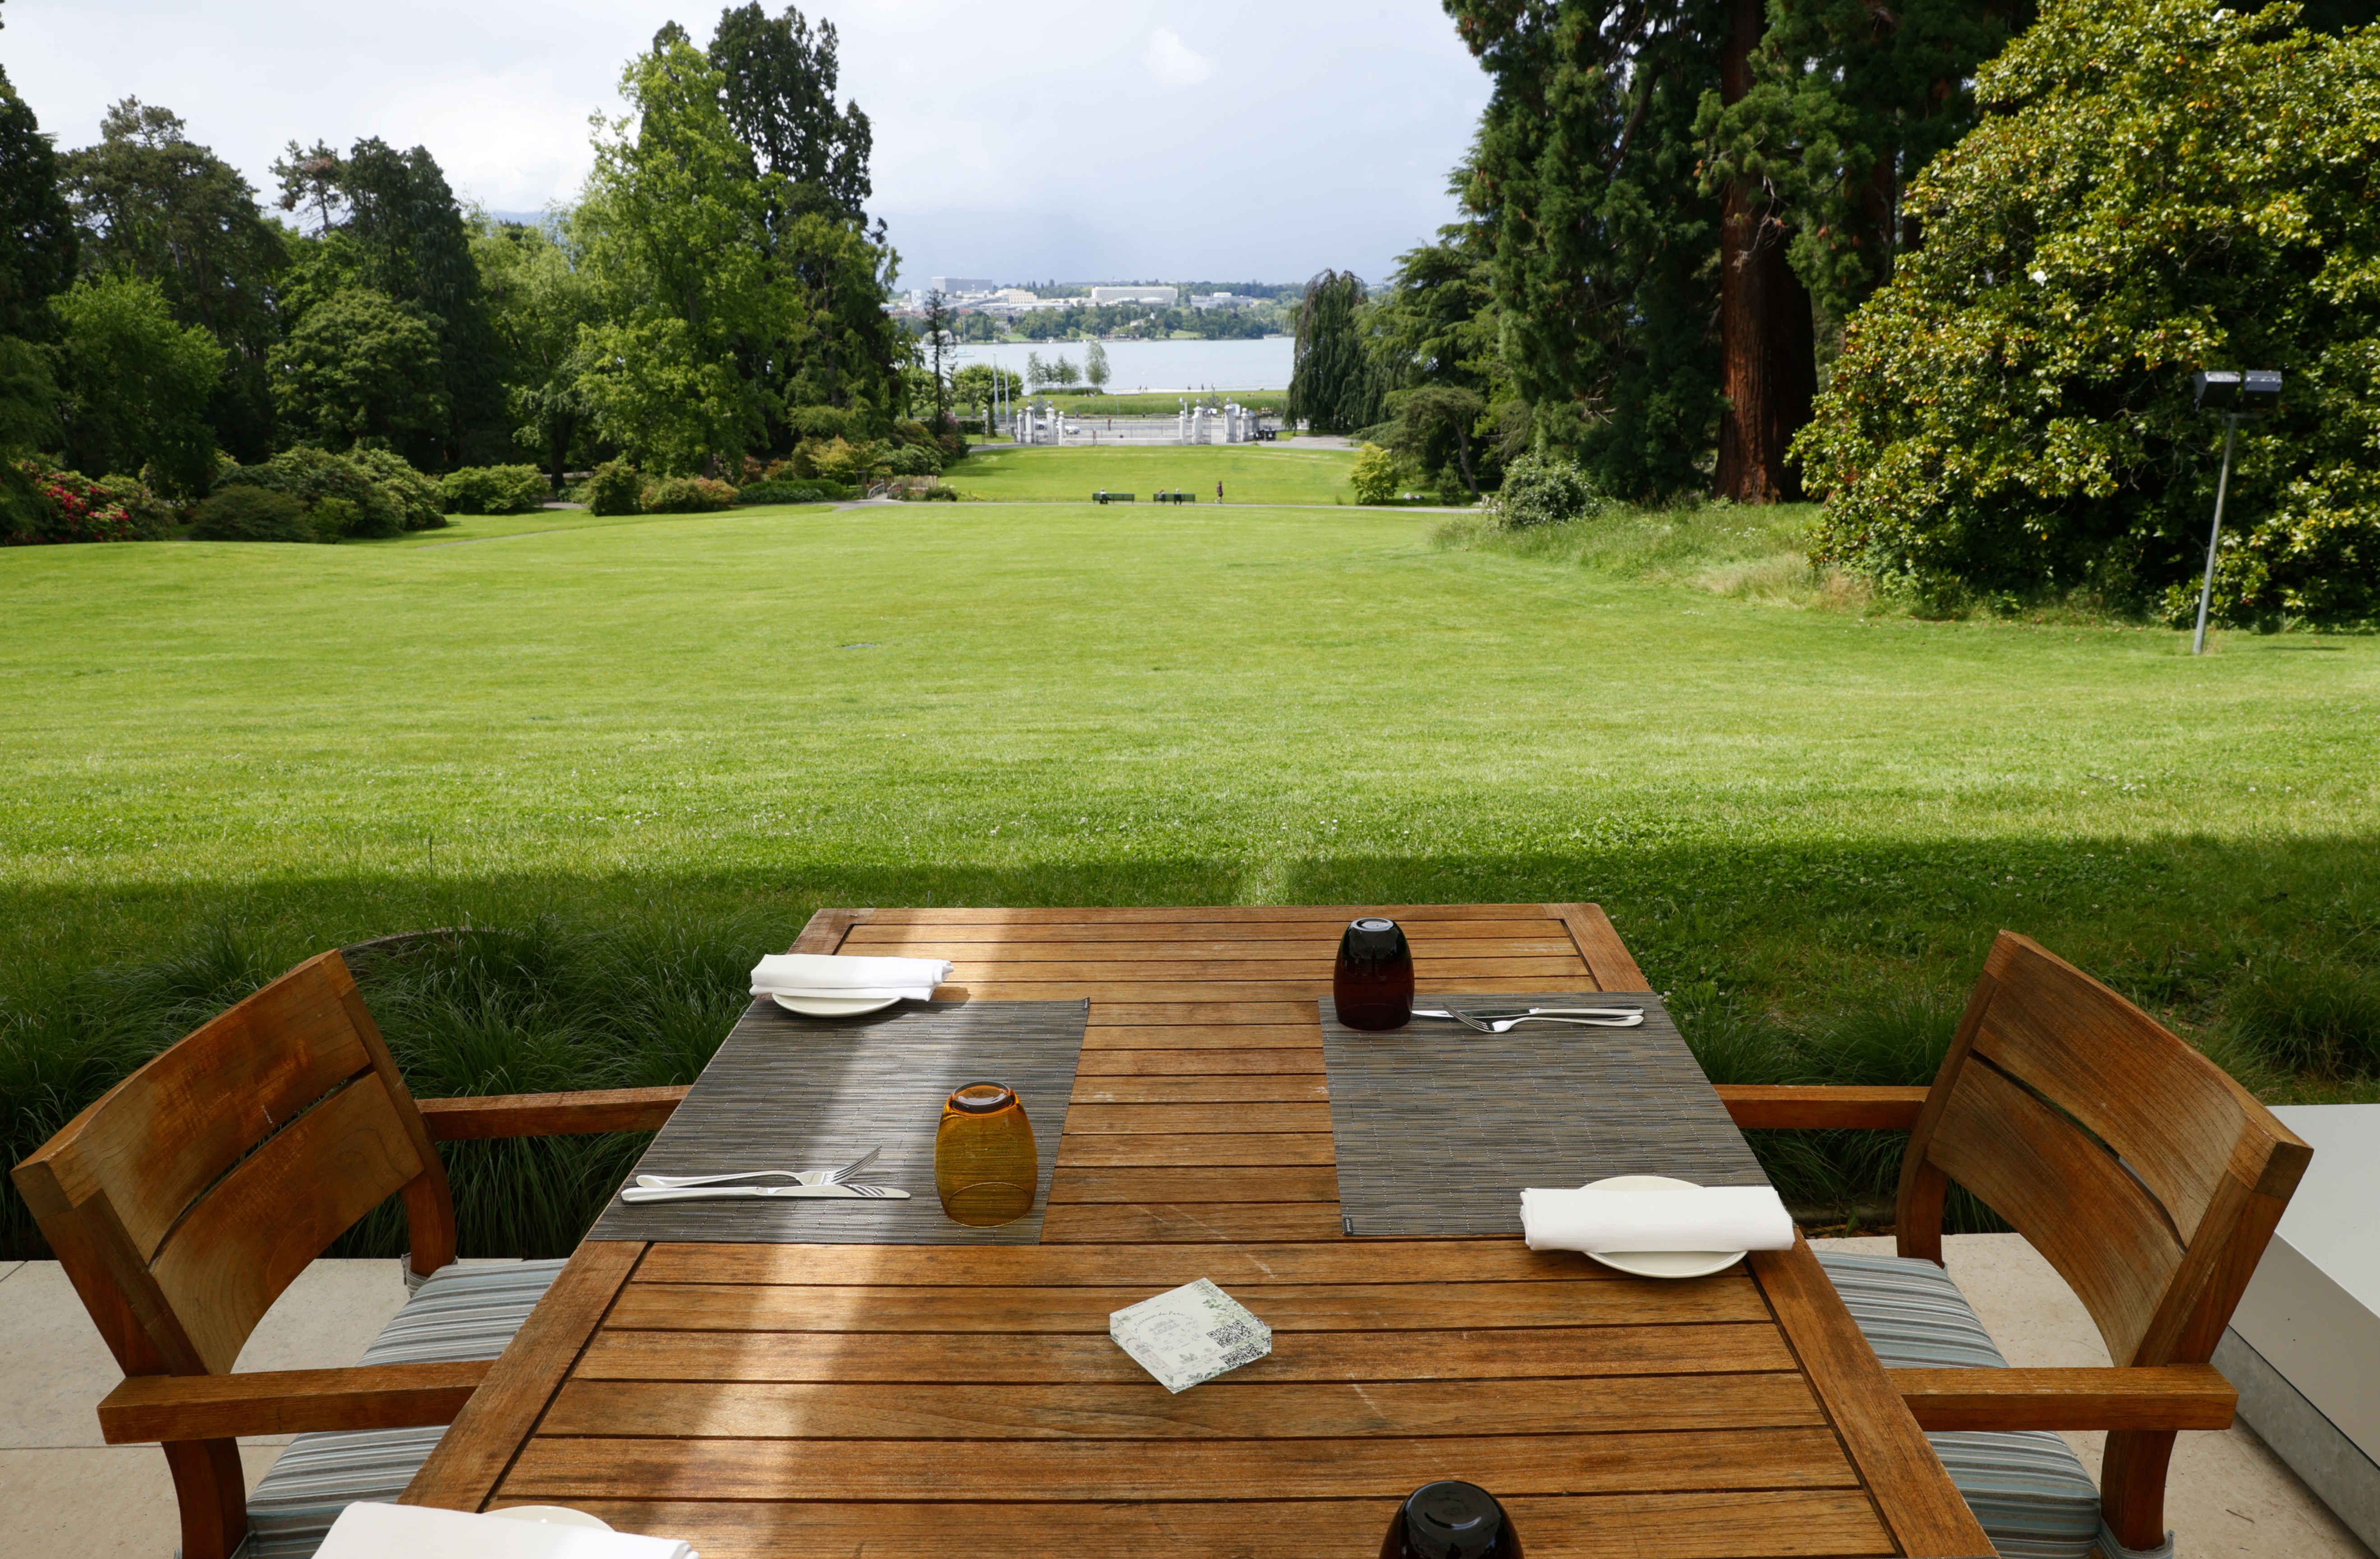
(1451,1521)
(1373,986)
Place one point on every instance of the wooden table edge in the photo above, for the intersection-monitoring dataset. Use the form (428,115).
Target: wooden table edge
(471,1458)
(1913,1493)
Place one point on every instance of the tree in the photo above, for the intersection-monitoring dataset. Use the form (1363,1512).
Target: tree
(1064,372)
(391,225)
(2012,411)
(1333,385)
(1428,420)
(780,79)
(938,329)
(1036,372)
(151,204)
(137,385)
(1600,243)
(1094,366)
(985,388)
(37,259)
(360,365)
(675,228)
(537,300)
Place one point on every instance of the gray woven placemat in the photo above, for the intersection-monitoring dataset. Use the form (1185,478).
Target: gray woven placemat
(789,1092)
(1437,1127)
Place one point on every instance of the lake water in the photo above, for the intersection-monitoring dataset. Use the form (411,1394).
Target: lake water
(1162,365)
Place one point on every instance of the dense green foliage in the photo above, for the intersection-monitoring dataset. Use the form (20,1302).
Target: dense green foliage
(69,506)
(2013,412)
(381,496)
(494,490)
(245,512)
(687,494)
(616,487)
(1376,475)
(788,489)
(152,204)
(1598,234)
(1542,489)
(137,384)
(1334,385)
(359,365)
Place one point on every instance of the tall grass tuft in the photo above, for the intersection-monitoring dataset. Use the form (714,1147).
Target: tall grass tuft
(2317,1017)
(1897,1039)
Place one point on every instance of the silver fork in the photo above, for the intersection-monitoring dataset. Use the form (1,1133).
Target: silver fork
(798,1177)
(1620,1017)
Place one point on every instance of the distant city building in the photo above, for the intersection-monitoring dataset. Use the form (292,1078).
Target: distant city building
(960,287)
(1221,300)
(1163,297)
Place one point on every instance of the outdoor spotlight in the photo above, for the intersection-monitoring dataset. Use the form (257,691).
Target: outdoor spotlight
(2235,394)
(2230,389)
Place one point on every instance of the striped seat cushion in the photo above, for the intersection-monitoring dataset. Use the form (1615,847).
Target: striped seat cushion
(2027,1488)
(461,1312)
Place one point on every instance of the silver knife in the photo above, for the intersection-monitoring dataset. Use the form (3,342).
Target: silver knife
(722,1193)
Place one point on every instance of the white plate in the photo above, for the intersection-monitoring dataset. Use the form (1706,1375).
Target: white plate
(1661,1263)
(553,1516)
(832,1006)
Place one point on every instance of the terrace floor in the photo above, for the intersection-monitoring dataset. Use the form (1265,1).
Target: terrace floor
(63,1491)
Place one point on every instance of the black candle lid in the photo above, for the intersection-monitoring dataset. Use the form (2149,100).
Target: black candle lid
(1452,1520)
(1374,937)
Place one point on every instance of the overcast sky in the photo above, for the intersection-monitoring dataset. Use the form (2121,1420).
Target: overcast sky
(1014,139)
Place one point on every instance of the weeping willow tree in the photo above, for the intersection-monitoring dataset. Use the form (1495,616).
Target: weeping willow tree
(1334,385)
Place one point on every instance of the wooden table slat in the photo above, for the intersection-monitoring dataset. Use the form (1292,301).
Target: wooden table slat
(873,938)
(1259,1265)
(1691,1525)
(570,1469)
(1125,1410)
(1197,1148)
(1275,1088)
(1354,1307)
(1219,1062)
(1055,1359)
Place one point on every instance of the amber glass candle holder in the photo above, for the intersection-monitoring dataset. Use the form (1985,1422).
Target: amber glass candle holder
(1373,986)
(985,1163)
(1451,1521)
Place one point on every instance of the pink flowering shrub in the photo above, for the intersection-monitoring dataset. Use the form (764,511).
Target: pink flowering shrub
(73,508)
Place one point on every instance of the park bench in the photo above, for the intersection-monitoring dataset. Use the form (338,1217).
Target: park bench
(1104,496)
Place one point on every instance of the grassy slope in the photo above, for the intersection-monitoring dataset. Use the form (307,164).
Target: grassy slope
(1250,473)
(1796,818)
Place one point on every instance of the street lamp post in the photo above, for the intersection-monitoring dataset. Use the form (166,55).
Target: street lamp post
(2236,395)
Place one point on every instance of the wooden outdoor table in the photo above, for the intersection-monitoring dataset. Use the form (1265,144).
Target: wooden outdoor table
(957,1400)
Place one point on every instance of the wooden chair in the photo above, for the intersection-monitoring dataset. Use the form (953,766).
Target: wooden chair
(185,1200)
(2148,1178)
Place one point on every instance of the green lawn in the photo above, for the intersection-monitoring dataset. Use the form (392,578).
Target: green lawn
(1251,474)
(1806,823)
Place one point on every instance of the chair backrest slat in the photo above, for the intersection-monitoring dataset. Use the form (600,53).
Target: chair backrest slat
(158,1139)
(2101,1229)
(189,1195)
(2168,1112)
(2136,1167)
(253,1233)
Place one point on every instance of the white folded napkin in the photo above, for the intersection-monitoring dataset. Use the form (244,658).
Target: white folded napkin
(1598,1219)
(409,1531)
(819,974)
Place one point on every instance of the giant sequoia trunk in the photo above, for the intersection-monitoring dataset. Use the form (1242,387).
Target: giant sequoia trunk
(1767,351)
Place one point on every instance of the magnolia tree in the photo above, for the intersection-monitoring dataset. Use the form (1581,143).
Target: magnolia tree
(2159,187)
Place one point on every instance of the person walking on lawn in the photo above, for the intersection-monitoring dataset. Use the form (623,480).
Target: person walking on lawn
(1219,492)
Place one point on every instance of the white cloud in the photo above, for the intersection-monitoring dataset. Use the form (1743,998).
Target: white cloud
(1173,62)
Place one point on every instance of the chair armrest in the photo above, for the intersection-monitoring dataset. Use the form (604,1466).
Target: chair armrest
(1882,1109)
(170,1407)
(549,1114)
(2147,1396)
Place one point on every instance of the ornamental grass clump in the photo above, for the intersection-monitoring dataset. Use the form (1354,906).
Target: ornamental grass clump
(2159,187)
